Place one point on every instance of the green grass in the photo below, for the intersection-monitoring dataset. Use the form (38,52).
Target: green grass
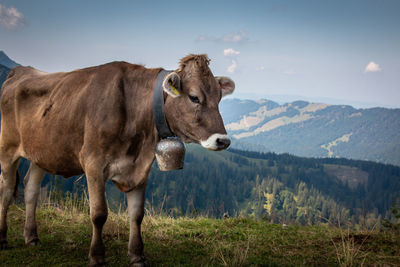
(65,237)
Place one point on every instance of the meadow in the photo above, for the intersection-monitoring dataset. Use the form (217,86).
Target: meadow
(64,230)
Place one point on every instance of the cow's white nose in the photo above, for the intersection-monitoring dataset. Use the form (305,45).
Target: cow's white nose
(223,143)
(216,142)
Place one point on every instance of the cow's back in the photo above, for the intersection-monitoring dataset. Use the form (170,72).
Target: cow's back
(48,115)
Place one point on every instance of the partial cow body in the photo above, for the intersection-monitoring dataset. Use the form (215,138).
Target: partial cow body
(99,121)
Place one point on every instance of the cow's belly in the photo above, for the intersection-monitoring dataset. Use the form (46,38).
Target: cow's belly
(54,155)
(64,168)
(55,163)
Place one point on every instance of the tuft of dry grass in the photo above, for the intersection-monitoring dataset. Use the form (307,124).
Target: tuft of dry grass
(117,226)
(348,248)
(229,254)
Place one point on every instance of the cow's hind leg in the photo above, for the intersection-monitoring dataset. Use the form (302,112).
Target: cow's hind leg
(32,182)
(98,215)
(8,180)
(136,212)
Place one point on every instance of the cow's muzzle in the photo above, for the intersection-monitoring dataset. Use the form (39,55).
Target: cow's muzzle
(216,142)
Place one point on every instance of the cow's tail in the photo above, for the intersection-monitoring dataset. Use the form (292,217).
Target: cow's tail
(17,179)
(11,73)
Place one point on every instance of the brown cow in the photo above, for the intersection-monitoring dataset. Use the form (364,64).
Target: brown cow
(99,121)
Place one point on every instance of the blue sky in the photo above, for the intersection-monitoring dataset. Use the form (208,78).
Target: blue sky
(315,50)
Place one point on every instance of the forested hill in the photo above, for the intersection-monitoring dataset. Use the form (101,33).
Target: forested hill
(314,129)
(283,188)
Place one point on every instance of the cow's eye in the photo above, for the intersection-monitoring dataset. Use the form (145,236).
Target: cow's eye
(194,99)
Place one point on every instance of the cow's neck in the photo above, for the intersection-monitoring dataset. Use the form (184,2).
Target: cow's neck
(138,95)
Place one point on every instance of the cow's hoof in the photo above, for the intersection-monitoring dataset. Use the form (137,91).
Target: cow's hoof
(33,243)
(97,262)
(138,261)
(3,244)
(138,264)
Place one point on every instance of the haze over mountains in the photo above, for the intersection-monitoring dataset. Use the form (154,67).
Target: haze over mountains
(314,129)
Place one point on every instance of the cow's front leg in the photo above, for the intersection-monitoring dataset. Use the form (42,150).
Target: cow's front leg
(135,199)
(98,215)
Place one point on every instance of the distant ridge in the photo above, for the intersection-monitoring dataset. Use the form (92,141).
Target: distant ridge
(6,64)
(3,74)
(6,61)
(314,129)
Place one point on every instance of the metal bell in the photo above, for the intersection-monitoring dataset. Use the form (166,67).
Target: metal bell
(170,154)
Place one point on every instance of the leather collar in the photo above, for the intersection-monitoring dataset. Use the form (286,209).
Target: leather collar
(160,121)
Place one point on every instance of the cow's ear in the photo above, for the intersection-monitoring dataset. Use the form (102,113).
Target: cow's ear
(226,85)
(172,84)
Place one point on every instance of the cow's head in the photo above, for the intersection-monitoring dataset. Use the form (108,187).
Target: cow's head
(191,107)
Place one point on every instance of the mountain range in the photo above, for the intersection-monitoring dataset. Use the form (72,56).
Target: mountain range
(6,61)
(3,74)
(314,129)
(5,65)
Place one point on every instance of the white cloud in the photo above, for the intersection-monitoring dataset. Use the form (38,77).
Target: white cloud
(232,68)
(230,52)
(239,37)
(372,67)
(260,68)
(11,18)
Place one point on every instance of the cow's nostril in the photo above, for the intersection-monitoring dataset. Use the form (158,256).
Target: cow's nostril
(223,143)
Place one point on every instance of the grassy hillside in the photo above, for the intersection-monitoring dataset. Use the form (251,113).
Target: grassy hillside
(65,233)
